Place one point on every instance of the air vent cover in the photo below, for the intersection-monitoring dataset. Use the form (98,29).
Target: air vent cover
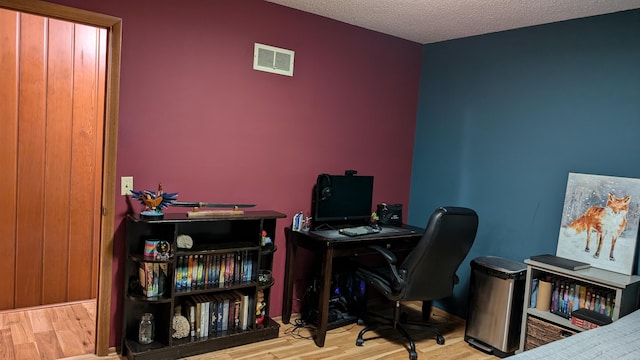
(272,59)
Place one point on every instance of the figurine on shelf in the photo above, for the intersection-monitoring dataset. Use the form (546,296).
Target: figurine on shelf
(374,220)
(260,305)
(265,241)
(154,202)
(163,250)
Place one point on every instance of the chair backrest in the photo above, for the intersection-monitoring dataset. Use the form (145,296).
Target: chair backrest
(431,266)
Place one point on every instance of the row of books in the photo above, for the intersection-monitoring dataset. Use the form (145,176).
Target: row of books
(152,277)
(211,315)
(569,295)
(197,272)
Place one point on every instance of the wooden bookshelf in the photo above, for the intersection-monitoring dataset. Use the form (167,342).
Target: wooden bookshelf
(222,270)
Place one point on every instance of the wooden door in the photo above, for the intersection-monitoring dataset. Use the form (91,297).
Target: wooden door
(52,86)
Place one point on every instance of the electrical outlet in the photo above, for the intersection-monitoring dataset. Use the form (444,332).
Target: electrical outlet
(126,185)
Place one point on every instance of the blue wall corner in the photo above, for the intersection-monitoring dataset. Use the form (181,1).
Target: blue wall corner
(504,117)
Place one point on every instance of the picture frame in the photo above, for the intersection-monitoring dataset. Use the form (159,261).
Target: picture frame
(600,221)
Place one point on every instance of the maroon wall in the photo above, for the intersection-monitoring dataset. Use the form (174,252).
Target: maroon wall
(195,116)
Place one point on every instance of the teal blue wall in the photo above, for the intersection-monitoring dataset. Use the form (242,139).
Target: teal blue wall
(503,118)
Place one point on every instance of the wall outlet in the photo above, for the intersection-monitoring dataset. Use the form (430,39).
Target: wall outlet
(126,185)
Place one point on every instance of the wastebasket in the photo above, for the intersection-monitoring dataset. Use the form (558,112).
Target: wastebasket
(496,298)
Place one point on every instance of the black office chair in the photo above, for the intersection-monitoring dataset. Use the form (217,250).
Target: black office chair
(427,273)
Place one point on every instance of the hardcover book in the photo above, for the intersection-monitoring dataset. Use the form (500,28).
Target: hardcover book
(561,262)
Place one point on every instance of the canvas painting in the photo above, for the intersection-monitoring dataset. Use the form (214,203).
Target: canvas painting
(600,221)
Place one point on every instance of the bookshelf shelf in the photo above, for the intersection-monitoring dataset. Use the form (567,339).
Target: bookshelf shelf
(623,290)
(248,285)
(221,270)
(268,250)
(142,259)
(149,299)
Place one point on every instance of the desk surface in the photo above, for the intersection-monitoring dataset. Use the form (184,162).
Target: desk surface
(387,232)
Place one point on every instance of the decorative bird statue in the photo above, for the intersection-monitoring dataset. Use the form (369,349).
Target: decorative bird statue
(154,202)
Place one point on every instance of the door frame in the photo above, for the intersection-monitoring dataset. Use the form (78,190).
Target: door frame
(113,25)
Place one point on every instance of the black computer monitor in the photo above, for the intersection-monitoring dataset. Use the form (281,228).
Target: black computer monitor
(342,199)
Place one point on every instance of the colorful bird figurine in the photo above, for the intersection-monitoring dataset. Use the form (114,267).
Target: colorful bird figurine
(154,202)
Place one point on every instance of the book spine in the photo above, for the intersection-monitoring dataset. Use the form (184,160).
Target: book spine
(216,271)
(249,267)
(223,258)
(200,276)
(189,272)
(198,317)
(225,313)
(205,271)
(177,284)
(192,317)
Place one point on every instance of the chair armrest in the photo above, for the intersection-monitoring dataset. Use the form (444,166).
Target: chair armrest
(397,282)
(386,254)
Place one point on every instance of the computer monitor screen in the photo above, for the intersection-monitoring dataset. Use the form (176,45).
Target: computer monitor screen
(341,198)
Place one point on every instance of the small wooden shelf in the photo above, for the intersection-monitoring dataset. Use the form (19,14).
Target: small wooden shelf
(213,237)
(136,348)
(142,258)
(206,249)
(268,250)
(553,318)
(150,299)
(625,287)
(210,290)
(270,327)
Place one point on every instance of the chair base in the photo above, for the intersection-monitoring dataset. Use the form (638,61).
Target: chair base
(398,322)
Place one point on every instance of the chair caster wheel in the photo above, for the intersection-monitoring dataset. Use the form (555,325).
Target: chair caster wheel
(413,355)
(359,342)
(440,340)
(360,322)
(404,317)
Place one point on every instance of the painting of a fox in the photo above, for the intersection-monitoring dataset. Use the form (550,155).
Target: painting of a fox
(607,222)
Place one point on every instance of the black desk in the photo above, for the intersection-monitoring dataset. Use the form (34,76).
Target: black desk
(329,244)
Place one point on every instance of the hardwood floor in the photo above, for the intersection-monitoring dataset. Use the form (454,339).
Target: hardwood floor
(68,332)
(48,332)
(340,343)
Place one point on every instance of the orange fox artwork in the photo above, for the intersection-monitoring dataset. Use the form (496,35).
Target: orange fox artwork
(607,222)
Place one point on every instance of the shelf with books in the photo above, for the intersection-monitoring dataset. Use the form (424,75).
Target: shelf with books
(224,268)
(610,295)
(212,285)
(152,282)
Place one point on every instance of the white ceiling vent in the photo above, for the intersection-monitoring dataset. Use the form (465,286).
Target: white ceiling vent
(272,59)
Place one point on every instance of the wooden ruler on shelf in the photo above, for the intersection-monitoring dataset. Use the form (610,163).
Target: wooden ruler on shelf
(196,213)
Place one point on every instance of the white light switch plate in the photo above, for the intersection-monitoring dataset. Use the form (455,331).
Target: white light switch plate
(126,185)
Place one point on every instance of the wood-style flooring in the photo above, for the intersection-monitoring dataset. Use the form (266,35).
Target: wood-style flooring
(48,332)
(68,332)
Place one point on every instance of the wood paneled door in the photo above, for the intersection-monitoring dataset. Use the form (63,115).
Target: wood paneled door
(52,111)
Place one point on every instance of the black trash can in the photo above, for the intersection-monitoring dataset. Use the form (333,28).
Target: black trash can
(496,298)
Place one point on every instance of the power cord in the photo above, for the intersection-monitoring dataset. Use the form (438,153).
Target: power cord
(295,330)
(300,324)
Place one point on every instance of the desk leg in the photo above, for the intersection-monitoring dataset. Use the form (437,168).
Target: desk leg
(426,310)
(287,301)
(325,289)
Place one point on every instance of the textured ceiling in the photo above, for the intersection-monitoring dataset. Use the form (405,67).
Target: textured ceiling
(428,21)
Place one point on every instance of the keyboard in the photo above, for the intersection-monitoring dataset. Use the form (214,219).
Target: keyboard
(359,230)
